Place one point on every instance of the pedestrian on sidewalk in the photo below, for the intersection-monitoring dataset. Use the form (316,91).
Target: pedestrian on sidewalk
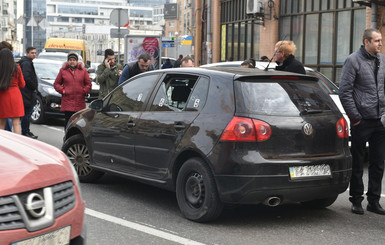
(29,92)
(108,73)
(284,56)
(73,83)
(362,96)
(11,101)
(134,68)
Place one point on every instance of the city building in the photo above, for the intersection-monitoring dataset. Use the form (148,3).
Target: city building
(84,19)
(8,21)
(325,32)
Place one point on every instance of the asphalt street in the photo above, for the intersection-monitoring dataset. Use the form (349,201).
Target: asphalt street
(121,211)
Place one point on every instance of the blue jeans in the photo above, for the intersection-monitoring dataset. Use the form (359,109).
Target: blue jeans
(8,126)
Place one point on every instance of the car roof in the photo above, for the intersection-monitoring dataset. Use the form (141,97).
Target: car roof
(43,60)
(58,54)
(234,72)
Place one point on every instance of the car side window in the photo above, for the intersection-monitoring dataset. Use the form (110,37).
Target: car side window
(174,93)
(199,95)
(131,96)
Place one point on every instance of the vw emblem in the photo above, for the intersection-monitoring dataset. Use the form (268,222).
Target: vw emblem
(307,129)
(35,205)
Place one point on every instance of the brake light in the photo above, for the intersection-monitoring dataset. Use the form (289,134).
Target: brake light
(284,78)
(342,128)
(246,129)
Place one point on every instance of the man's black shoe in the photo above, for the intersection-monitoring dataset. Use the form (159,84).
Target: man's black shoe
(31,135)
(357,208)
(375,208)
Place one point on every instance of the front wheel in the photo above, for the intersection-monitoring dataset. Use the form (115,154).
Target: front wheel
(37,115)
(320,203)
(77,151)
(196,192)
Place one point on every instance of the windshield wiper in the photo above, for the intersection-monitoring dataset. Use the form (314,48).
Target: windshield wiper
(309,111)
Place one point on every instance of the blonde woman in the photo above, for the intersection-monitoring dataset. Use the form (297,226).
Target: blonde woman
(284,56)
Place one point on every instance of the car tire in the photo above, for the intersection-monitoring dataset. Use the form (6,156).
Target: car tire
(320,203)
(37,115)
(196,192)
(77,151)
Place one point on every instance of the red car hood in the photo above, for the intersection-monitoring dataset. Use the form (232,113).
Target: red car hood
(27,164)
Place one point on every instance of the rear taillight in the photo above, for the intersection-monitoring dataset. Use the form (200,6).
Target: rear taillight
(342,128)
(246,129)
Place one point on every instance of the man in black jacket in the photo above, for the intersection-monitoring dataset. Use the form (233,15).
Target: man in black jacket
(284,56)
(29,91)
(134,68)
(362,96)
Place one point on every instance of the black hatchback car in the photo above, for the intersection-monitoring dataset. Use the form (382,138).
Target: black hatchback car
(217,136)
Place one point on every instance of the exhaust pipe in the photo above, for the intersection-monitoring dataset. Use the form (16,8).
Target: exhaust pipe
(272,201)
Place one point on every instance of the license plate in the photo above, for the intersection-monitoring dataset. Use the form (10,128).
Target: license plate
(57,237)
(322,170)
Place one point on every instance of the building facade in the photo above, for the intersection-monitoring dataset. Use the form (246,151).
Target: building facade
(325,32)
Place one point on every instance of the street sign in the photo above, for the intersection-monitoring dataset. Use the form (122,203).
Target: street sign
(21,20)
(119,17)
(114,32)
(44,24)
(187,40)
(168,45)
(32,22)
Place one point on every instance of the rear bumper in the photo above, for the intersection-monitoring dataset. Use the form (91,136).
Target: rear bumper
(251,182)
(256,189)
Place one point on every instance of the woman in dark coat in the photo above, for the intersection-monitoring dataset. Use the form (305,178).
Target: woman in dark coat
(284,56)
(73,83)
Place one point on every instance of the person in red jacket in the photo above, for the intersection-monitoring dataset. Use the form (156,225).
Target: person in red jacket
(73,83)
(11,101)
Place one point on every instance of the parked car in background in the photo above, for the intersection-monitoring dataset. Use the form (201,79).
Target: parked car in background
(216,136)
(92,71)
(40,198)
(172,60)
(48,101)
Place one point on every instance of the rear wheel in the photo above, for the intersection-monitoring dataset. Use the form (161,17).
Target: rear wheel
(38,112)
(76,150)
(196,192)
(320,203)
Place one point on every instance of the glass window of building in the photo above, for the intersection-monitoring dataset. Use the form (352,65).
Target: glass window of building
(83,10)
(322,31)
(240,33)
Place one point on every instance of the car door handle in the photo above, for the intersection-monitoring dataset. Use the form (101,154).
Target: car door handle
(179,126)
(130,124)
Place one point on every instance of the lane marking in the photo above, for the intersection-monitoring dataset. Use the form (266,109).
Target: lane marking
(53,128)
(142,228)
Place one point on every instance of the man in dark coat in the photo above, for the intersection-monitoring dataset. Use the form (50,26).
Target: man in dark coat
(29,91)
(284,56)
(134,68)
(363,97)
(178,62)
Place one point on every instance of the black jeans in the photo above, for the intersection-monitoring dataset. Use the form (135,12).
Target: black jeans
(67,116)
(25,121)
(371,131)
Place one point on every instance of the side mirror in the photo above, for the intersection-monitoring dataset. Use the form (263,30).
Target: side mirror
(96,105)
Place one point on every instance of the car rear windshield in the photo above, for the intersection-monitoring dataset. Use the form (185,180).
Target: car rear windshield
(281,97)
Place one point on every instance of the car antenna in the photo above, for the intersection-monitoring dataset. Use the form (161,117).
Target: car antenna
(275,52)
